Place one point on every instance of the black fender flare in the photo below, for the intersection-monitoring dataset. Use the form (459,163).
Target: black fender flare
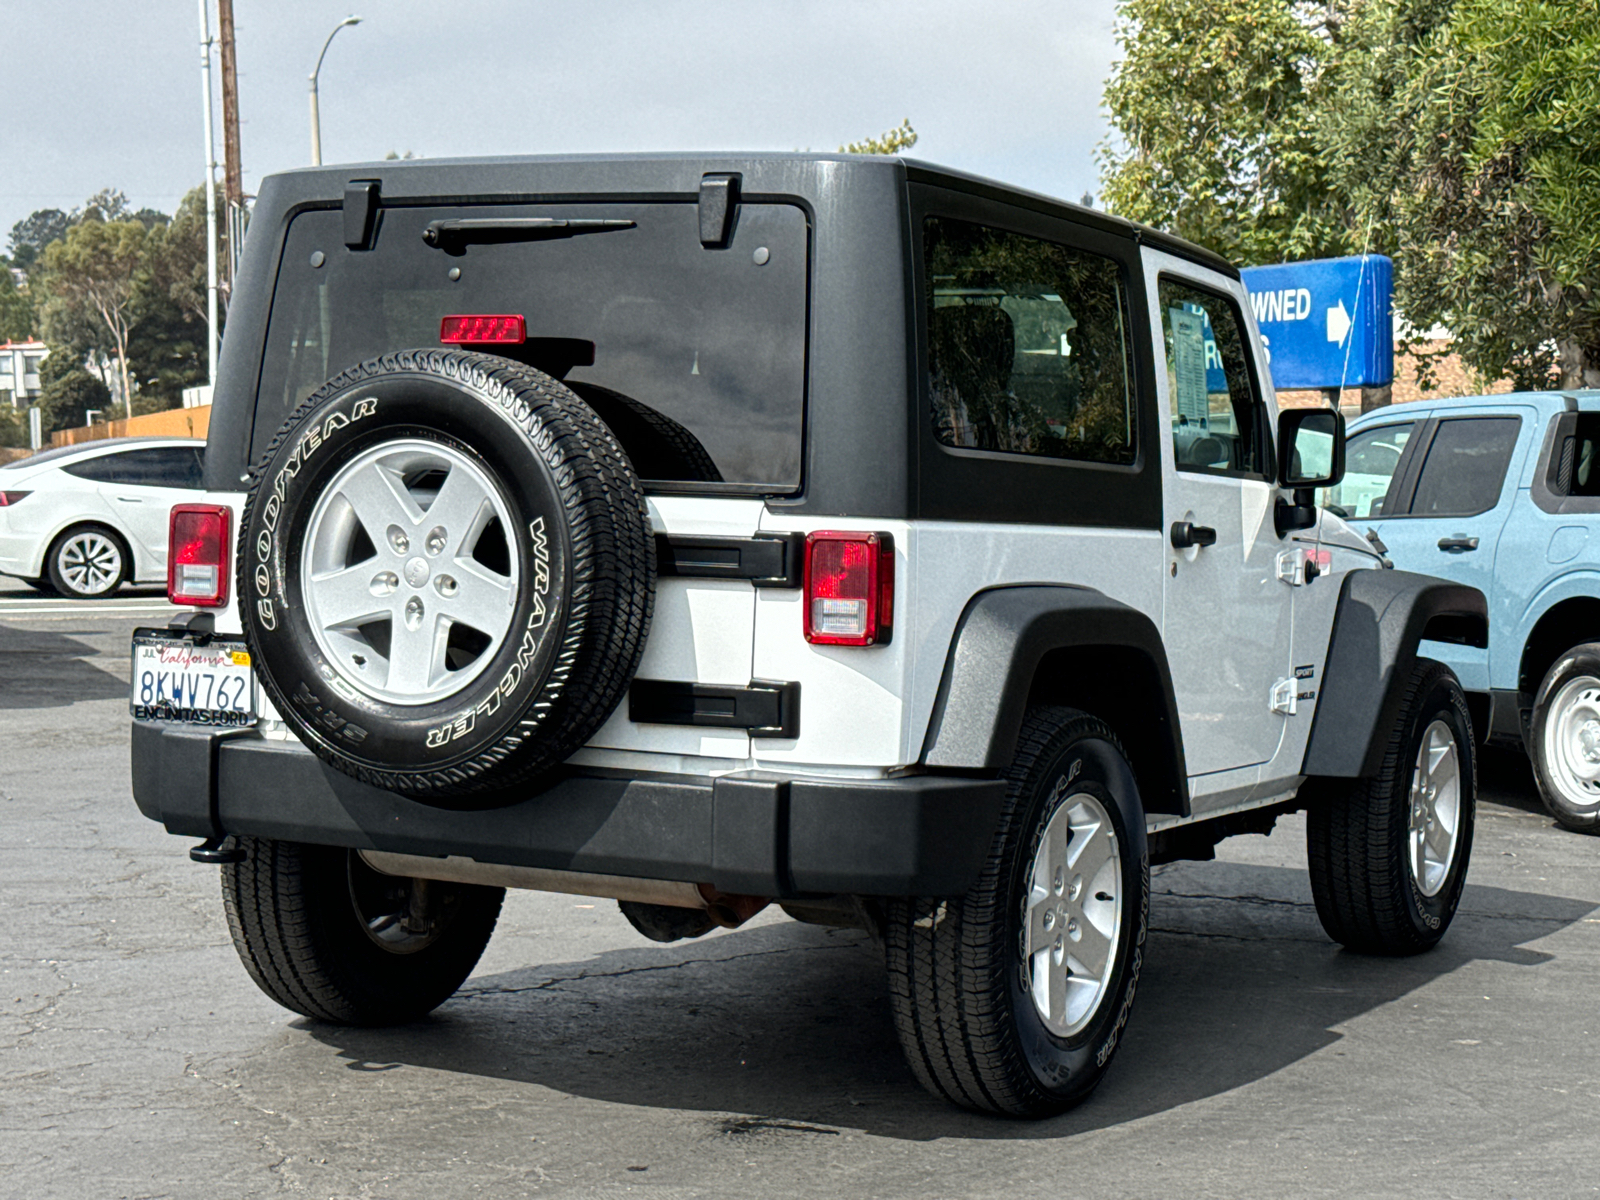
(1004,635)
(1381,617)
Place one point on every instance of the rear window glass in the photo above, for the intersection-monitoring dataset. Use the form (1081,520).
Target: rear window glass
(698,354)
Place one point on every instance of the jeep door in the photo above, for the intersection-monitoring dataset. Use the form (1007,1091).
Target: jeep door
(1227,616)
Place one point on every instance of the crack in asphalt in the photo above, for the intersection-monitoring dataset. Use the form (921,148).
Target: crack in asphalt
(546,985)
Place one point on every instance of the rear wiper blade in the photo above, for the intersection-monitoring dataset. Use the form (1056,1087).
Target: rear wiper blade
(514,229)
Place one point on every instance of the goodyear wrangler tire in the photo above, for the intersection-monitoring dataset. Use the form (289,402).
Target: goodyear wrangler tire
(446,573)
(1013,998)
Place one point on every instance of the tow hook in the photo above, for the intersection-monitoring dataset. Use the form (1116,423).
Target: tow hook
(217,850)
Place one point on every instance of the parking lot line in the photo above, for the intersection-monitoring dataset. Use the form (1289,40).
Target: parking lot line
(78,609)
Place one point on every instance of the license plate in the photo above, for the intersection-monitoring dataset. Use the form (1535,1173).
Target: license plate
(191,678)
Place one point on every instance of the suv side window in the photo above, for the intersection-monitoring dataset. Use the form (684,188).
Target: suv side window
(1028,347)
(1371,459)
(1219,423)
(1466,467)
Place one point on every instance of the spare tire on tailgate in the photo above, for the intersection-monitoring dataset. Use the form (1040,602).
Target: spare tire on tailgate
(446,573)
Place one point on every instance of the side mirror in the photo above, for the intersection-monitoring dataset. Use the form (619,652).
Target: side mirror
(1310,455)
(1310,447)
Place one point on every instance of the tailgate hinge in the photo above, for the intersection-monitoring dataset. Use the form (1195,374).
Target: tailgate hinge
(1284,699)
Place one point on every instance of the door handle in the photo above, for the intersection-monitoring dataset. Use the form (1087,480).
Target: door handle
(1458,542)
(1186,534)
(131,499)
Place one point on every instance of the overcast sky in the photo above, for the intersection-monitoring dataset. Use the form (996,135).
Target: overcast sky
(106,93)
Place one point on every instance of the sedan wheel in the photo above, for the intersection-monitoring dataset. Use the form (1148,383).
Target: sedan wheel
(87,563)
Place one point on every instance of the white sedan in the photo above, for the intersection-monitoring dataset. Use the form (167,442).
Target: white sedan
(85,519)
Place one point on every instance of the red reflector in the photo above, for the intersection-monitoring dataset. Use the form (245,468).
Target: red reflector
(7,499)
(483,330)
(197,555)
(849,588)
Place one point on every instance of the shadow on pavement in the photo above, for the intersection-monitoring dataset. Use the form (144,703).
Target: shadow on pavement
(790,1022)
(42,669)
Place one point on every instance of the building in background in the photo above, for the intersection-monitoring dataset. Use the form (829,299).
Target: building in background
(19,371)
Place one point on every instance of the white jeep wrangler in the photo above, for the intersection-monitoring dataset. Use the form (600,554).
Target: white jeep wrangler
(708,532)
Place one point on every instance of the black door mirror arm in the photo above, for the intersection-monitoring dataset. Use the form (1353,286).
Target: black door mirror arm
(1301,513)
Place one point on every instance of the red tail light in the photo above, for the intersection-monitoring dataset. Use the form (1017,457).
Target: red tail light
(7,499)
(197,555)
(483,330)
(849,588)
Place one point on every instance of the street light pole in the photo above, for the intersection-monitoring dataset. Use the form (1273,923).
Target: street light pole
(316,122)
(211,201)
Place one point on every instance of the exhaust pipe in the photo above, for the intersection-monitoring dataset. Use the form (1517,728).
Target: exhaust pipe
(730,910)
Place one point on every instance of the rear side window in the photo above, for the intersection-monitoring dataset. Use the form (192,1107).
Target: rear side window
(1578,465)
(1466,467)
(698,355)
(169,466)
(1028,348)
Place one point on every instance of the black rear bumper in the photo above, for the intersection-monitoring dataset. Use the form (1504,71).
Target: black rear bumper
(761,834)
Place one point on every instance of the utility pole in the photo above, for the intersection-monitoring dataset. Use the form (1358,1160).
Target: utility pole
(211,198)
(233,172)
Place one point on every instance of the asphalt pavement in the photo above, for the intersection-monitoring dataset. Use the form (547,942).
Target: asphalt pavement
(138,1060)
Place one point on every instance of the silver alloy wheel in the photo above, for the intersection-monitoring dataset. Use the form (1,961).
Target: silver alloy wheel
(1072,914)
(1571,742)
(1435,808)
(90,562)
(421,615)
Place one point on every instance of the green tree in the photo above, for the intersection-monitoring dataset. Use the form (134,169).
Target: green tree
(67,391)
(34,232)
(901,137)
(1213,113)
(13,426)
(93,274)
(16,310)
(167,344)
(1467,137)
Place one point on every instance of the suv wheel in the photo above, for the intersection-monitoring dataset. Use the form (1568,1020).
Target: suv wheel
(87,562)
(1388,854)
(1013,998)
(446,572)
(1564,741)
(328,937)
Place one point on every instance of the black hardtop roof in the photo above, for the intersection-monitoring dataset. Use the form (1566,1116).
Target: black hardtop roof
(420,180)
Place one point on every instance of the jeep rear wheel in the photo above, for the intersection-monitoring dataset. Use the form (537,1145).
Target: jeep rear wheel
(1012,999)
(1388,854)
(328,937)
(1564,741)
(446,573)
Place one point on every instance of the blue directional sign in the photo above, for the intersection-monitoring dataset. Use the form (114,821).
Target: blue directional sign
(1326,323)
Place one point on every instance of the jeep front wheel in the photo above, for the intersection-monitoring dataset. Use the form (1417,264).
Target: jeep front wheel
(1388,854)
(1564,741)
(1012,999)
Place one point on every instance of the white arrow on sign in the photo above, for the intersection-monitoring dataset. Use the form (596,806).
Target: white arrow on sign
(1338,323)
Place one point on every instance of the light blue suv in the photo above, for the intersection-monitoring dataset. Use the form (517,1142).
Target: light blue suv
(1503,493)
